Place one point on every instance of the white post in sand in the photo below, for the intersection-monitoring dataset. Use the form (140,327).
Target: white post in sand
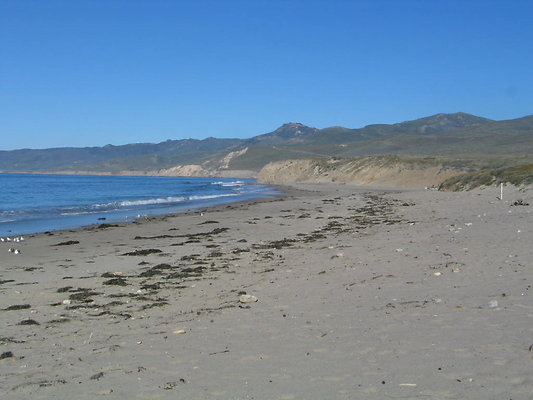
(501,191)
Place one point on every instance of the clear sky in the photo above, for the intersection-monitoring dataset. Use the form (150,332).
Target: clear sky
(93,72)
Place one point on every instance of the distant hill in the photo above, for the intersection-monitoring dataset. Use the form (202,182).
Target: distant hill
(435,124)
(139,156)
(292,132)
(440,134)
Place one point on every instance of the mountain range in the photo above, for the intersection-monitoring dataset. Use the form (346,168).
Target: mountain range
(457,134)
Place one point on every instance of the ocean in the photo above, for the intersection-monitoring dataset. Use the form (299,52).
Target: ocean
(32,203)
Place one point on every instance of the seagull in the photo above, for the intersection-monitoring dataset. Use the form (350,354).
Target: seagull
(17,251)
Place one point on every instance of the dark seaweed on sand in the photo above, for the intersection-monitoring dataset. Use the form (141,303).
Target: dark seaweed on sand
(67,243)
(83,294)
(6,354)
(215,231)
(155,270)
(116,282)
(142,252)
(17,307)
(28,322)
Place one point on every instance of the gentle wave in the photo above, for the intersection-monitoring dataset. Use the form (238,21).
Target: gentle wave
(82,212)
(44,203)
(7,216)
(228,184)
(162,200)
(213,196)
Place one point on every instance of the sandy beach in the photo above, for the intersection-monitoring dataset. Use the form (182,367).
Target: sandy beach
(329,292)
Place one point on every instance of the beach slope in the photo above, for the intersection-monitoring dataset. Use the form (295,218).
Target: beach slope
(330,292)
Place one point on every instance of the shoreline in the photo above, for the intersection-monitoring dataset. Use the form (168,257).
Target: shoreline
(239,174)
(60,221)
(330,291)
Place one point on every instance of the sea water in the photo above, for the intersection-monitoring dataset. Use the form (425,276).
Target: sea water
(31,203)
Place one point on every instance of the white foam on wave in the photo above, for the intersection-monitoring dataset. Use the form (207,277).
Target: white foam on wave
(229,184)
(161,200)
(81,212)
(213,196)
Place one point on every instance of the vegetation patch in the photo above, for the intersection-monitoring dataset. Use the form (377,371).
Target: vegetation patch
(518,176)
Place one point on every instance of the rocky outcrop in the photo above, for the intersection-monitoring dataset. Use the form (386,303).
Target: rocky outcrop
(373,171)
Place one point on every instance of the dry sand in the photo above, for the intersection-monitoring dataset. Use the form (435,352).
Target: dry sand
(362,294)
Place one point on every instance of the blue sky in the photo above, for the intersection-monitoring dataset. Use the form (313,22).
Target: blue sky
(93,72)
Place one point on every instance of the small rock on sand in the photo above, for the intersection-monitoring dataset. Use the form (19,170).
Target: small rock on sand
(247,298)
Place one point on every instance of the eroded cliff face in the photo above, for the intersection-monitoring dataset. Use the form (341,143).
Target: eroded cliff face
(220,169)
(371,171)
(195,170)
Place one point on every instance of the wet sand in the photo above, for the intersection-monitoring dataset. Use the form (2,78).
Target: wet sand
(361,293)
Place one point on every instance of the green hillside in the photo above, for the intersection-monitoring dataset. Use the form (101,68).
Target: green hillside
(456,135)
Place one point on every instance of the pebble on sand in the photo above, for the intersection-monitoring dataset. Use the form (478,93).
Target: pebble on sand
(493,304)
(247,298)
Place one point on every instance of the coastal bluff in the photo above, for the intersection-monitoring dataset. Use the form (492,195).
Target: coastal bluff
(392,171)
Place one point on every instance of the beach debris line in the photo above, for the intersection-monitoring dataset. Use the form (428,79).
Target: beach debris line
(215,231)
